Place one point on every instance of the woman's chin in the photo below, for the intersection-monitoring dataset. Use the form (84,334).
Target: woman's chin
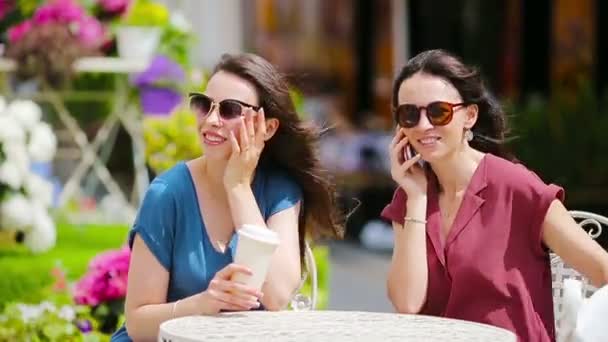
(216,152)
(433,156)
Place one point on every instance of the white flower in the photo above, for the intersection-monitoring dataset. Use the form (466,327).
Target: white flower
(16,212)
(39,190)
(67,312)
(47,306)
(43,143)
(2,104)
(10,130)
(26,112)
(42,236)
(11,175)
(29,312)
(17,154)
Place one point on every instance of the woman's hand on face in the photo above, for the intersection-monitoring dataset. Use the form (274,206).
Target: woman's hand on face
(246,153)
(225,294)
(407,173)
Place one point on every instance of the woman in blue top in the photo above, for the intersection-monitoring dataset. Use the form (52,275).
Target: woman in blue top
(259,167)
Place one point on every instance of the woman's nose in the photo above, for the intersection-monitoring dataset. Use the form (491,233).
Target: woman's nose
(214,117)
(423,123)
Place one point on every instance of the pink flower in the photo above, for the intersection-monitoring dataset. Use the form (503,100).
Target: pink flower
(17,32)
(45,14)
(84,291)
(106,279)
(60,283)
(69,11)
(114,6)
(63,11)
(90,32)
(6,6)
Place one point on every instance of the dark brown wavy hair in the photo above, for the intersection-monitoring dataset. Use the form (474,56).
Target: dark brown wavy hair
(293,147)
(491,129)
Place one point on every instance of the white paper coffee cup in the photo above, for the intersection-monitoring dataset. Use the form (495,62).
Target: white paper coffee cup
(255,248)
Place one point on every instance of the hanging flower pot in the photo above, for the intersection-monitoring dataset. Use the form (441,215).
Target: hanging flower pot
(137,42)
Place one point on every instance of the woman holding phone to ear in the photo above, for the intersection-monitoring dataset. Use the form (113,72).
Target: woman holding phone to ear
(473,227)
(260,167)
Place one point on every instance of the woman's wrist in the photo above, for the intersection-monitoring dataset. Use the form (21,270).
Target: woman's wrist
(416,201)
(193,305)
(236,188)
(416,208)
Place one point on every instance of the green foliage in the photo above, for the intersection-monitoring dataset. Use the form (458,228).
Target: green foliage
(171,139)
(176,44)
(45,322)
(27,7)
(88,112)
(23,10)
(563,139)
(321,254)
(298,102)
(147,13)
(26,276)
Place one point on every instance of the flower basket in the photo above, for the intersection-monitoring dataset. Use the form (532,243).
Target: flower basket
(137,42)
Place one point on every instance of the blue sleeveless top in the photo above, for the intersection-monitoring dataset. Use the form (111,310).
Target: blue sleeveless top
(169,222)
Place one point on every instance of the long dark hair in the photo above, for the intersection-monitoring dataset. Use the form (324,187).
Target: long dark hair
(491,129)
(293,147)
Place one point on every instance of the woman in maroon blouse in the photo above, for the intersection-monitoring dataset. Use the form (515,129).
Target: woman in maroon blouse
(472,228)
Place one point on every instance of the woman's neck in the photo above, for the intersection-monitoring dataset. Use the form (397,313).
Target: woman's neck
(213,172)
(455,172)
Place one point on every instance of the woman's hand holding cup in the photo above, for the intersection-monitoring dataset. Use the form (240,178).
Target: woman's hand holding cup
(228,295)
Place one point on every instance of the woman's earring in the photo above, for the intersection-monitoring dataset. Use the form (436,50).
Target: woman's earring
(468,134)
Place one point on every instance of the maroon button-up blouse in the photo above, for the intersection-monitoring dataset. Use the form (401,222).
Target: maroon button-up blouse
(493,267)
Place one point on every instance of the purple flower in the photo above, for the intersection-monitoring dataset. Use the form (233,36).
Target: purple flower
(156,94)
(84,325)
(161,69)
(158,101)
(17,32)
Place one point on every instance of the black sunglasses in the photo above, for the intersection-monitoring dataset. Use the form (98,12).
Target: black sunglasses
(202,105)
(439,113)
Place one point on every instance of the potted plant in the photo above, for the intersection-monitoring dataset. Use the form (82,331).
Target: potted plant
(104,287)
(139,35)
(47,42)
(171,139)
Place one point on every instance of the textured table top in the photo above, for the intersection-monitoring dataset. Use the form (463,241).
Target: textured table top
(326,326)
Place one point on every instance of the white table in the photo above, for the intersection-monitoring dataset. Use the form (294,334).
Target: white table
(124,112)
(326,326)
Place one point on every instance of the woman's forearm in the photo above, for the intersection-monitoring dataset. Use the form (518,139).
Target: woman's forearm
(284,270)
(282,280)
(244,207)
(143,322)
(408,273)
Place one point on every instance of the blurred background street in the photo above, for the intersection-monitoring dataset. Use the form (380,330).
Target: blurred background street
(361,274)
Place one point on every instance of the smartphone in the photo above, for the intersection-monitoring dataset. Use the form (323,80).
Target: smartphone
(409,152)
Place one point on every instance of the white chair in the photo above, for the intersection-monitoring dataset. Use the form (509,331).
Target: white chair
(583,319)
(592,223)
(301,301)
